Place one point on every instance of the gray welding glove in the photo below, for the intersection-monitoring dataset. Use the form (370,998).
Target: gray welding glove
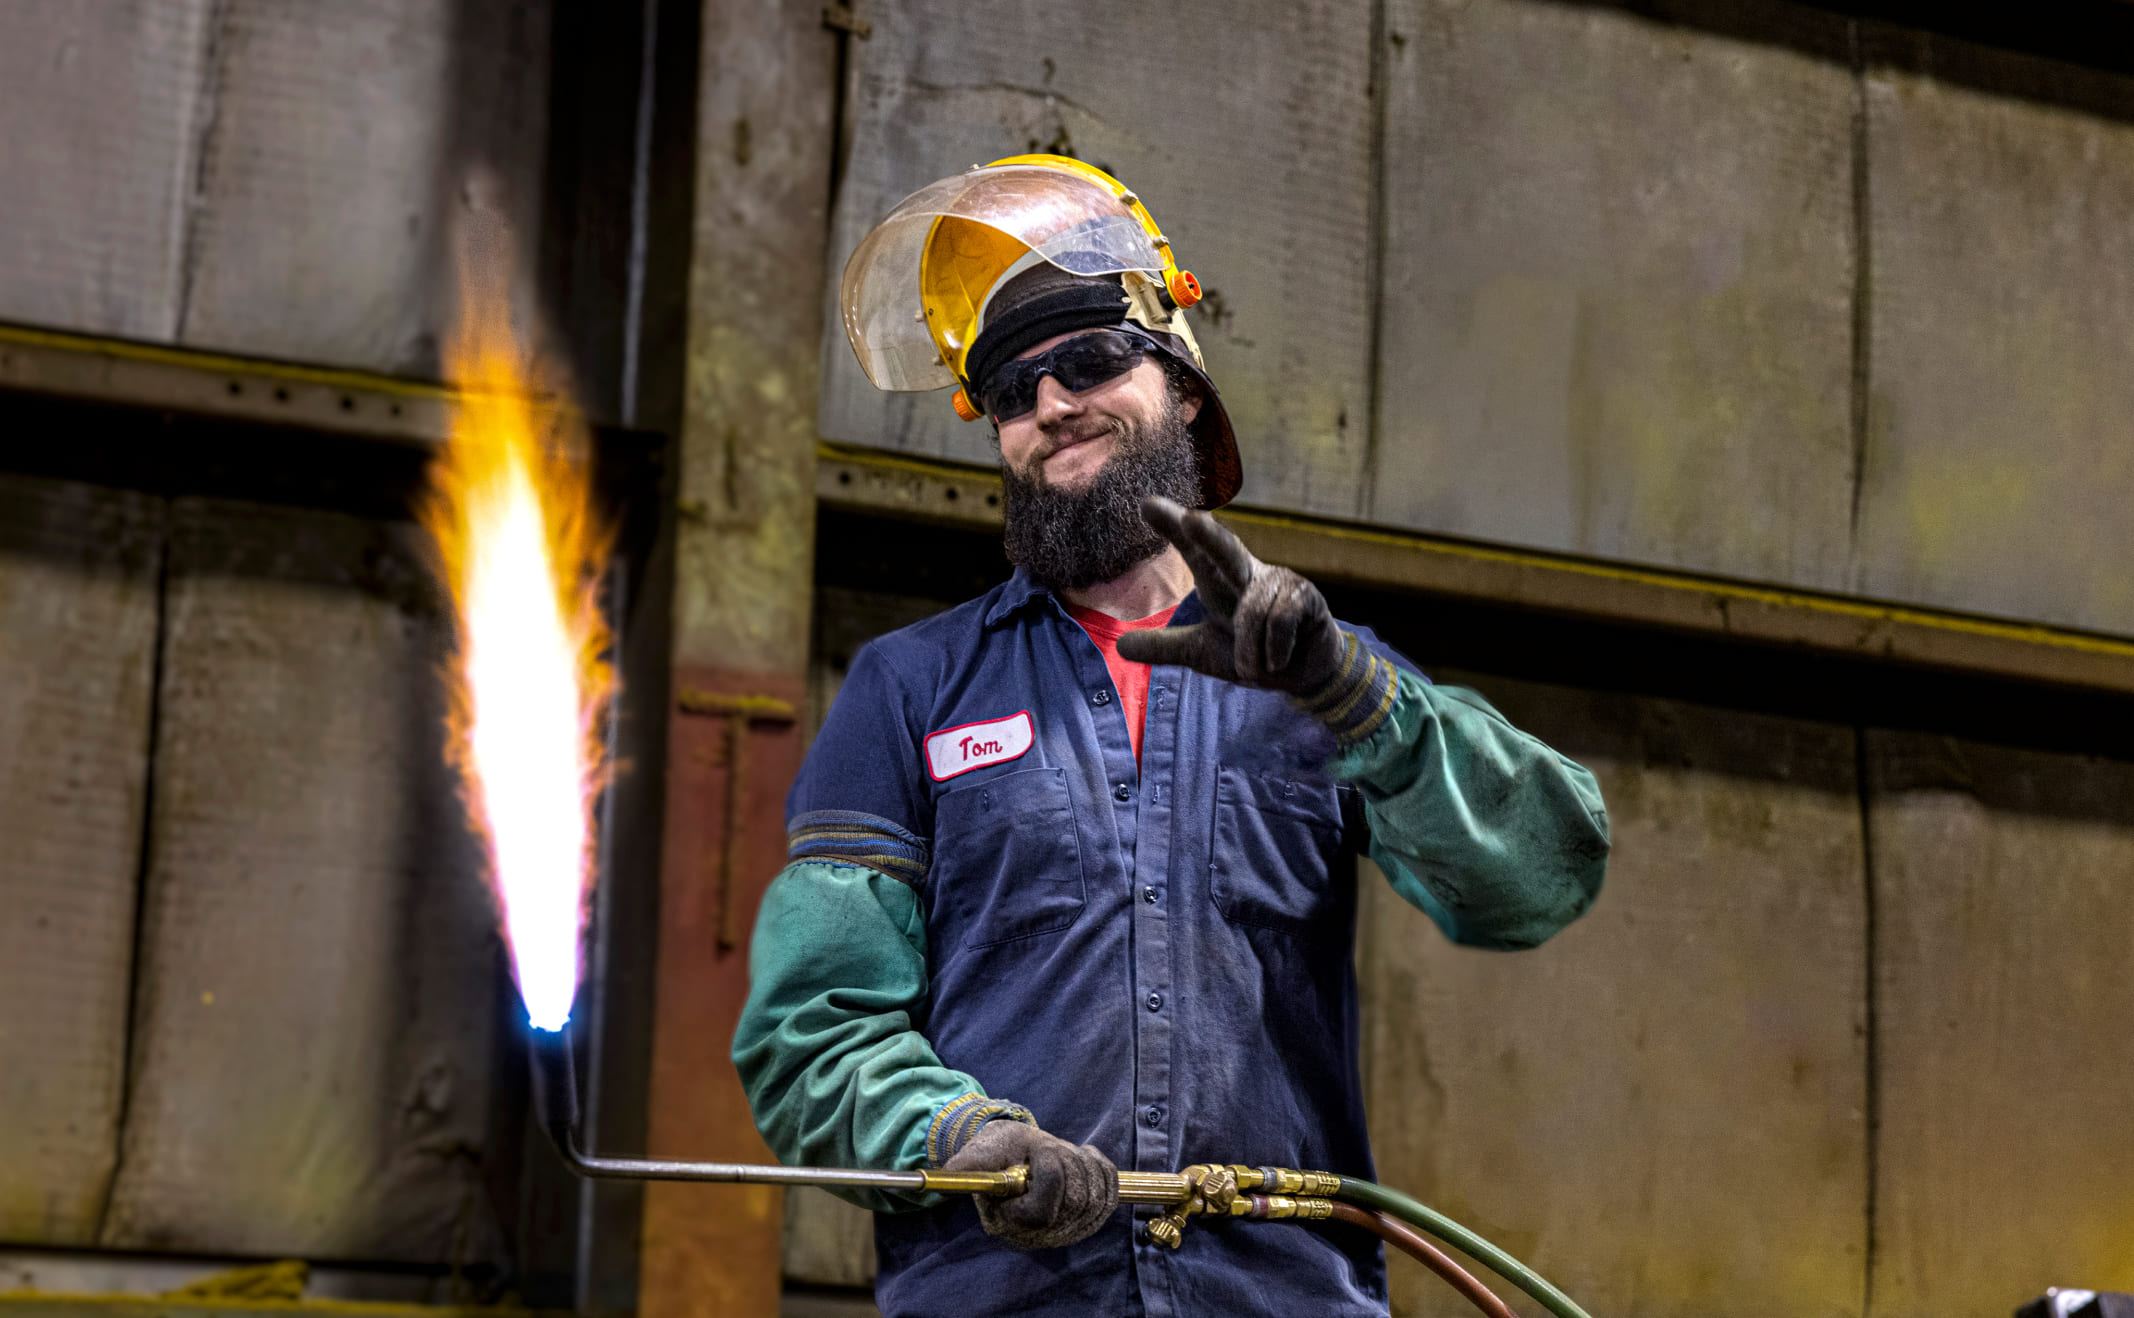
(1072,1190)
(1265,626)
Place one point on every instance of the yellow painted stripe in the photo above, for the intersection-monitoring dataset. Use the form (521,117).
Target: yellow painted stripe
(1910,615)
(222,364)
(1711,588)
(886,460)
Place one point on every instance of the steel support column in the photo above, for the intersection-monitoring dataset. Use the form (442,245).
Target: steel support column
(744,563)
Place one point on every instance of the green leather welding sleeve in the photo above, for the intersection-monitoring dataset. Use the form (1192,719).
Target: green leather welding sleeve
(834,1071)
(1493,835)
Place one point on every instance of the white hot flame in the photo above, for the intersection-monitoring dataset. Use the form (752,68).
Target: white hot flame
(510,512)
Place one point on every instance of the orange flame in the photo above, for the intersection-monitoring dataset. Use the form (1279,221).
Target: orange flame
(522,552)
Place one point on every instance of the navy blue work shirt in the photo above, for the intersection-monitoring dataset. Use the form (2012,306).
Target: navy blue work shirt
(1154,960)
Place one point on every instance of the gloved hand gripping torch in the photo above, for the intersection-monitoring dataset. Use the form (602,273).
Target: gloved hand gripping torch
(555,1087)
(1208,1190)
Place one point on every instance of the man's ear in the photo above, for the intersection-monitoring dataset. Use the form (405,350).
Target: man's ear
(1190,394)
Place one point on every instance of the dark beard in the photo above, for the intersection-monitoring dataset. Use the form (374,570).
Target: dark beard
(1071,539)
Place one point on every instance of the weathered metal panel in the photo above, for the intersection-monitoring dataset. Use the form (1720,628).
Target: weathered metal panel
(1617,289)
(340,142)
(319,977)
(77,650)
(2003,1007)
(1247,130)
(1661,1108)
(1997,471)
(102,104)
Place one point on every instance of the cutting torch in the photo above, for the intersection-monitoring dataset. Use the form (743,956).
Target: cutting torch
(1207,1190)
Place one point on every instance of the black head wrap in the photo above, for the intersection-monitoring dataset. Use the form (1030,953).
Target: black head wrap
(1037,304)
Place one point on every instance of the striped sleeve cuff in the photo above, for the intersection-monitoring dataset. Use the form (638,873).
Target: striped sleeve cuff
(1358,698)
(858,839)
(960,1118)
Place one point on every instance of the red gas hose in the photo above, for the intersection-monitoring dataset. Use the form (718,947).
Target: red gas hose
(1410,1242)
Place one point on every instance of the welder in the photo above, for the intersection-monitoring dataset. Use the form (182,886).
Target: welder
(1071,876)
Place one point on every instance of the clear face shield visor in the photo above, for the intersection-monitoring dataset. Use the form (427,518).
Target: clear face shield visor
(889,289)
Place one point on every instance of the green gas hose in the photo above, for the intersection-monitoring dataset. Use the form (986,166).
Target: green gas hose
(1459,1237)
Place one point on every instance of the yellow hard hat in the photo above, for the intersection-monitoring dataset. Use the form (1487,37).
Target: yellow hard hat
(916,292)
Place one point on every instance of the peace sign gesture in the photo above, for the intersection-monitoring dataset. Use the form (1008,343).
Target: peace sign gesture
(1265,626)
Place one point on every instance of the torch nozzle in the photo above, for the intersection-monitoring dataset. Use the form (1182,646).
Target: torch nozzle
(555,1091)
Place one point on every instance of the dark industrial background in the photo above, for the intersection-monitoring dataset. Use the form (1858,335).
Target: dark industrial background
(1735,392)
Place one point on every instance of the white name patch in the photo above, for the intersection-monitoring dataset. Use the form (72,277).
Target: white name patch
(975,745)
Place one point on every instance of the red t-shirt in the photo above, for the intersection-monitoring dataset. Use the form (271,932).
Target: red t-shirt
(1131,679)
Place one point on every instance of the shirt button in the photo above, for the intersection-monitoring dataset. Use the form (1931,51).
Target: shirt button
(1155,1002)
(1149,895)
(1121,792)
(1100,697)
(1153,1116)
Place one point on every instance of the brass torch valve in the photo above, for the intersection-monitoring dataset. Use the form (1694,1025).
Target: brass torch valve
(1286,1180)
(1220,1190)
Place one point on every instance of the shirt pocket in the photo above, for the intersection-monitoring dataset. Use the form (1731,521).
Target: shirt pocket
(1007,858)
(1271,859)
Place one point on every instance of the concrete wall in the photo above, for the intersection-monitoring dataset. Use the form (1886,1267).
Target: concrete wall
(1663,1108)
(1825,1045)
(1617,290)
(1996,463)
(267,177)
(313,917)
(78,574)
(2001,898)
(1761,293)
(298,1063)
(254,975)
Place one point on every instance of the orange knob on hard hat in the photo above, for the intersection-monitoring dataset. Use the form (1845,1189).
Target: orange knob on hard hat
(964,410)
(1184,288)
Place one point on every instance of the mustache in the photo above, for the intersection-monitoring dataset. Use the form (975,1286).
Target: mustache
(1066,436)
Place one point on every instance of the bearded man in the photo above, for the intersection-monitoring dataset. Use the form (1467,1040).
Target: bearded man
(1071,881)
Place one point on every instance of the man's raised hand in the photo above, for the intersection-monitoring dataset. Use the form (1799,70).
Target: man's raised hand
(1265,625)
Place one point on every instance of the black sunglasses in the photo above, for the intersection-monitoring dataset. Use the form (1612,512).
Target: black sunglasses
(1082,362)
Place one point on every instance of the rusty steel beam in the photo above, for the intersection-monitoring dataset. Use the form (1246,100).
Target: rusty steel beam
(744,535)
(899,485)
(97,369)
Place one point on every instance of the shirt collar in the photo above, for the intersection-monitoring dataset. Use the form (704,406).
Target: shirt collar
(1022,588)
(1016,594)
